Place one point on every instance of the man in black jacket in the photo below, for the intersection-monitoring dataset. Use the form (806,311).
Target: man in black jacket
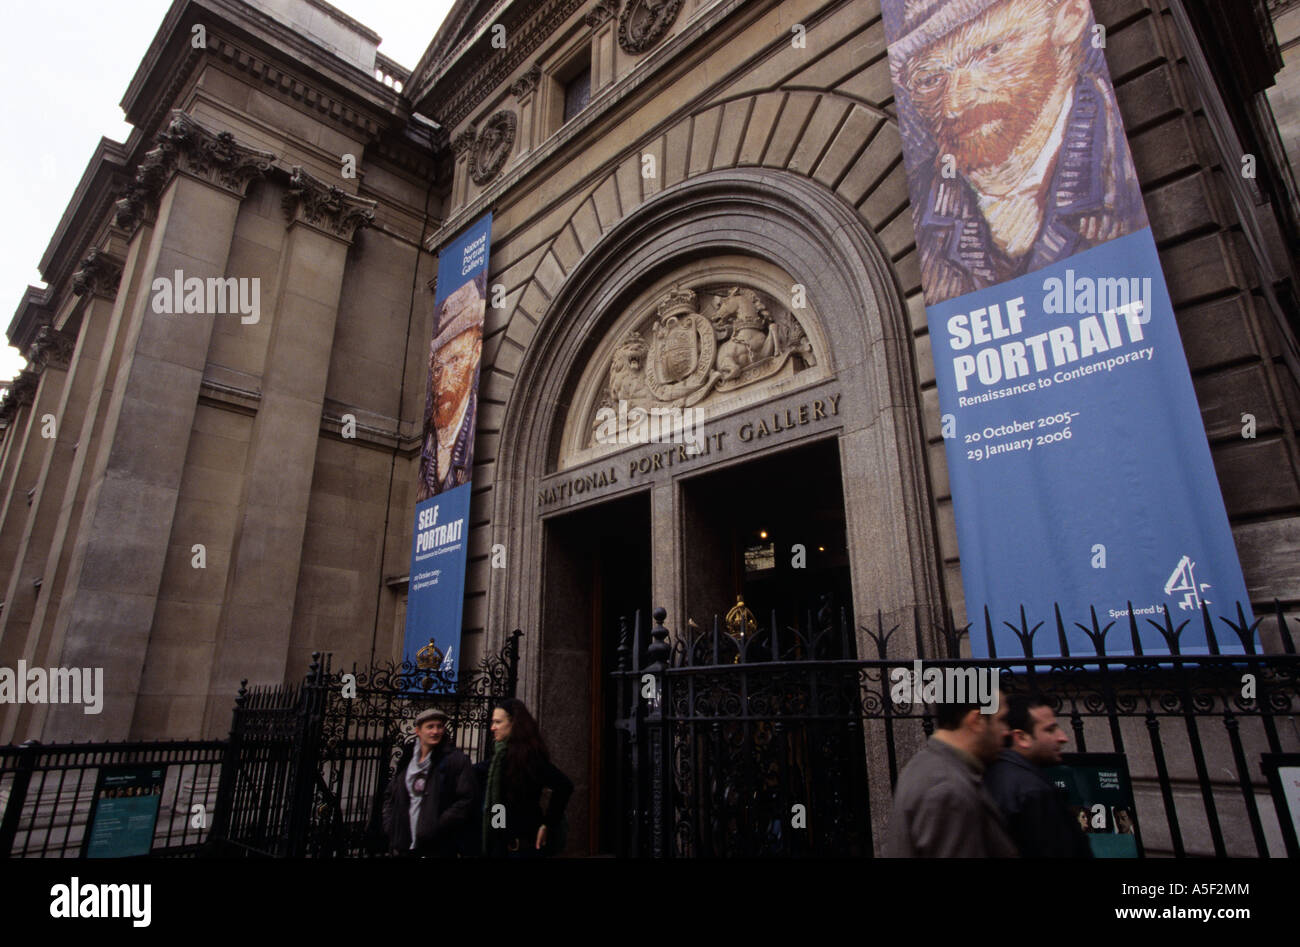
(433,789)
(1037,816)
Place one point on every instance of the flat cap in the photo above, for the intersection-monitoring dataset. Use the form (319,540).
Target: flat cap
(433,713)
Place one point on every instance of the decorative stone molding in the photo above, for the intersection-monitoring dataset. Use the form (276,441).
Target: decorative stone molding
(644,23)
(51,349)
(21,393)
(601,13)
(464,141)
(326,207)
(188,147)
(694,346)
(527,82)
(470,85)
(493,147)
(99,275)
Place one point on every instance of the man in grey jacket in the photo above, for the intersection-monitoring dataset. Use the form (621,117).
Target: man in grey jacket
(941,809)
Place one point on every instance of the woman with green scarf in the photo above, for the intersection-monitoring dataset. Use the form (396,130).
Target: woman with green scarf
(524,794)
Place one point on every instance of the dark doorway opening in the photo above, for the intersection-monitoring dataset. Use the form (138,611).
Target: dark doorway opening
(597,570)
(770,531)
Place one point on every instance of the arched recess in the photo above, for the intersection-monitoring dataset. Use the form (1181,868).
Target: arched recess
(798,224)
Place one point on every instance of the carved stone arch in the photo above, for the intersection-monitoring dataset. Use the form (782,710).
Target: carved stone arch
(782,218)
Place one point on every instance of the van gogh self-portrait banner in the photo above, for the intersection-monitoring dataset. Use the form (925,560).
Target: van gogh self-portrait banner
(438,549)
(1078,461)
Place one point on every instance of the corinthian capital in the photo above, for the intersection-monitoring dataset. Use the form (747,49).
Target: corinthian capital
(328,208)
(51,349)
(602,12)
(464,141)
(527,82)
(189,147)
(98,276)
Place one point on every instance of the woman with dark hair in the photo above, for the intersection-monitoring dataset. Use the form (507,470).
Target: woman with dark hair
(524,793)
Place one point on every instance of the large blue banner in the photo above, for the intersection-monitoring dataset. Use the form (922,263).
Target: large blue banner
(1078,462)
(436,593)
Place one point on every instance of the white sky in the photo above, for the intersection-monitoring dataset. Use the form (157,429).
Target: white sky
(64,68)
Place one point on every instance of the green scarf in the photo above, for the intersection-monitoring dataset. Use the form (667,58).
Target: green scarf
(493,796)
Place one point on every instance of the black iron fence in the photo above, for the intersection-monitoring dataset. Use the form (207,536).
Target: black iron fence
(307,766)
(781,740)
(46,793)
(303,773)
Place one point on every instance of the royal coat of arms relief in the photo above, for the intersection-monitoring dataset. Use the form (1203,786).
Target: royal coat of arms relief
(699,345)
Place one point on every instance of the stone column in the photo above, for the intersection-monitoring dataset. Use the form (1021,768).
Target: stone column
(51,354)
(31,396)
(99,363)
(666,556)
(257,614)
(198,180)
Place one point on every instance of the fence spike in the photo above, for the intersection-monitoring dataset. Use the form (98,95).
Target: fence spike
(1210,640)
(988,633)
(1133,630)
(1288,644)
(1060,631)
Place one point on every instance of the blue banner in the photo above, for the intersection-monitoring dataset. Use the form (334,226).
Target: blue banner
(1077,457)
(436,592)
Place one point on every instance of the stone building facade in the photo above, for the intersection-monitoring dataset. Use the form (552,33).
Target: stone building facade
(650,167)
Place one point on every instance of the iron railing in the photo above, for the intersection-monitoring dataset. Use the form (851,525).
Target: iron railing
(721,737)
(46,794)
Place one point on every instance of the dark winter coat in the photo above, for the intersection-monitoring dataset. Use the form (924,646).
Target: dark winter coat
(445,814)
(1036,811)
(523,799)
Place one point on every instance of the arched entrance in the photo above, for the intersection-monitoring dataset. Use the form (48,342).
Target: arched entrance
(826,445)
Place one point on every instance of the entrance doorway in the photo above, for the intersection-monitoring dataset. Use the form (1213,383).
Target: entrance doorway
(596,571)
(770,531)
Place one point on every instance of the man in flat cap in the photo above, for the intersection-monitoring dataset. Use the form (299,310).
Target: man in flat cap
(1008,107)
(447,457)
(432,789)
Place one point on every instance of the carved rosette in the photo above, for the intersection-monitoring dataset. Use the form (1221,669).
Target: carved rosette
(328,208)
(189,147)
(492,148)
(51,349)
(644,23)
(527,82)
(99,275)
(601,13)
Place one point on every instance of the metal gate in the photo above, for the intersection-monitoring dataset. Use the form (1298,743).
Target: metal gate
(780,741)
(307,765)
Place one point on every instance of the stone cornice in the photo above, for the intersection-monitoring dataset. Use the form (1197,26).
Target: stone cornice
(188,147)
(325,207)
(98,275)
(469,86)
(52,348)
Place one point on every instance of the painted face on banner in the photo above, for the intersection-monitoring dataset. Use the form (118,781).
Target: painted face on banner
(982,87)
(453,374)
